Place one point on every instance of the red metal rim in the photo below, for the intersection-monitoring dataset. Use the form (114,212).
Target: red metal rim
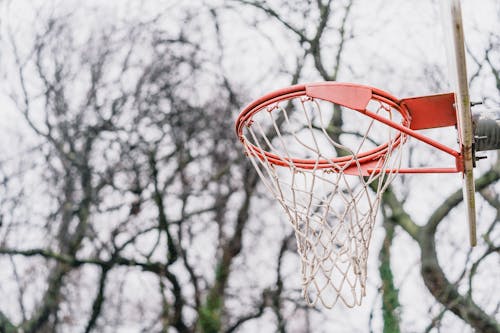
(245,117)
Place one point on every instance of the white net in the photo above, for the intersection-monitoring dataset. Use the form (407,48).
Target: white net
(333,199)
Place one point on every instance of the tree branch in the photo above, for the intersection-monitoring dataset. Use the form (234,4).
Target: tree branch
(453,200)
(5,325)
(390,295)
(434,278)
(98,301)
(398,215)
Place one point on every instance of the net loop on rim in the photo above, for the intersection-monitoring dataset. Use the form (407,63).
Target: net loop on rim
(329,180)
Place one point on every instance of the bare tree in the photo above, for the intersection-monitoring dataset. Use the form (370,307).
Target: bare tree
(139,173)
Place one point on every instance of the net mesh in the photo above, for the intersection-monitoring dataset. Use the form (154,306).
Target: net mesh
(332,207)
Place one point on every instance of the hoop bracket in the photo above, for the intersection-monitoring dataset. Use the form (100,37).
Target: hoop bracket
(431,111)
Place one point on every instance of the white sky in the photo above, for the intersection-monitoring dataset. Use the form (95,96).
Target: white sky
(398,36)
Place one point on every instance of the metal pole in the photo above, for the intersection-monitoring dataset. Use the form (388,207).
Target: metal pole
(486,130)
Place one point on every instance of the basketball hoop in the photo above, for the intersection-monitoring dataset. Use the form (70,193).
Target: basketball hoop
(330,182)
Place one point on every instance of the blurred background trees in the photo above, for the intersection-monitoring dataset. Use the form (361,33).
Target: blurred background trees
(126,202)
